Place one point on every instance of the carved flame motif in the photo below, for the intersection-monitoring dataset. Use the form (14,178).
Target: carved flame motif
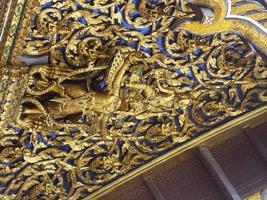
(126,81)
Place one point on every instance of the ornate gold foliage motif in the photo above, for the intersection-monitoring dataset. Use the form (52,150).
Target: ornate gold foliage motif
(110,85)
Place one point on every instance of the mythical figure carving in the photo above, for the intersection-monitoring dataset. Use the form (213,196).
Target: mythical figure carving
(120,83)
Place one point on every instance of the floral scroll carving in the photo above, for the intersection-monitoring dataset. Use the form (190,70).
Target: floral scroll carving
(125,82)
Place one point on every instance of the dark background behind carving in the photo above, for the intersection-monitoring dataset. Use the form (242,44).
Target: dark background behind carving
(263,3)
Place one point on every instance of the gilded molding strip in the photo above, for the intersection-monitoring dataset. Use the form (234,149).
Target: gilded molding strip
(3,25)
(12,31)
(227,20)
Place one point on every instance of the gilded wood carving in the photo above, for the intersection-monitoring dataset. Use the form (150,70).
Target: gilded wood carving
(109,85)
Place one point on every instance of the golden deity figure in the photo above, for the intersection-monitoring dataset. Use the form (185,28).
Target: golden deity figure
(76,98)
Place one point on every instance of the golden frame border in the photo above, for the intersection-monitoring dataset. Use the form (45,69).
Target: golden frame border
(13,73)
(14,15)
(250,119)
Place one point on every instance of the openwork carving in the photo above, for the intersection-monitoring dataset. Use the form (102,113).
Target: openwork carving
(118,83)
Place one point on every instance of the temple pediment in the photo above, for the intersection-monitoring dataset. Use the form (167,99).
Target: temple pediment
(92,91)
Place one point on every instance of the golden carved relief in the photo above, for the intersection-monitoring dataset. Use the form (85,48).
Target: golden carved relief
(111,85)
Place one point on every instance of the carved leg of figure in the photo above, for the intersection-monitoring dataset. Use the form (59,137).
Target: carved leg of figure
(27,120)
(29,117)
(148,91)
(60,108)
(102,129)
(44,87)
(75,90)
